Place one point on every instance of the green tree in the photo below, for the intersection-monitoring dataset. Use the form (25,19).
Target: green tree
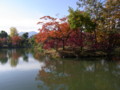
(32,42)
(25,39)
(3,34)
(94,8)
(80,20)
(25,35)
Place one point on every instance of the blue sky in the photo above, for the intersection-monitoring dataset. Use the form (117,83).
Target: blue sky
(24,14)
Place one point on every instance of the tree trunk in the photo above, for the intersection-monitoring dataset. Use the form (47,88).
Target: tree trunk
(95,36)
(56,45)
(63,45)
(81,40)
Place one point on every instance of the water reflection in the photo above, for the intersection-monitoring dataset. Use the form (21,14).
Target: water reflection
(17,59)
(13,55)
(37,72)
(3,56)
(74,75)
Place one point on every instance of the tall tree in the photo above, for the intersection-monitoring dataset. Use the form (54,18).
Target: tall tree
(94,8)
(111,15)
(80,20)
(13,32)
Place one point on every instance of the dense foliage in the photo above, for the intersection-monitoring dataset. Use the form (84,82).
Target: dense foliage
(14,40)
(94,28)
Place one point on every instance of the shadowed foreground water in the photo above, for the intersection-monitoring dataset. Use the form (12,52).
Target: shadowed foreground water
(23,69)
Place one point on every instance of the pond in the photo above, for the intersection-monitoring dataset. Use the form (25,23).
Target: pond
(22,69)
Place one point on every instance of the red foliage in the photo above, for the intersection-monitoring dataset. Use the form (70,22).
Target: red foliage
(108,43)
(55,29)
(57,33)
(3,40)
(16,40)
(75,39)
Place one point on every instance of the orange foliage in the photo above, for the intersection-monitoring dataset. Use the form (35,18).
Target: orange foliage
(55,29)
(16,40)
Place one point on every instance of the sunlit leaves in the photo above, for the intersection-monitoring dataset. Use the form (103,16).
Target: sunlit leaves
(80,19)
(13,31)
(55,29)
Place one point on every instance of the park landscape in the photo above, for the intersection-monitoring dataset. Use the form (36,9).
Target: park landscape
(78,51)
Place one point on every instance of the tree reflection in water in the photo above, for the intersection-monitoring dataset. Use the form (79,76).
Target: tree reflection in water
(3,56)
(13,55)
(67,74)
(79,74)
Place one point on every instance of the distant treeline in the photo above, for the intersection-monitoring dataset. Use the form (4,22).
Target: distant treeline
(14,40)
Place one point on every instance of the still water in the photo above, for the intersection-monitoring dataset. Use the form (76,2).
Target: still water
(23,69)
